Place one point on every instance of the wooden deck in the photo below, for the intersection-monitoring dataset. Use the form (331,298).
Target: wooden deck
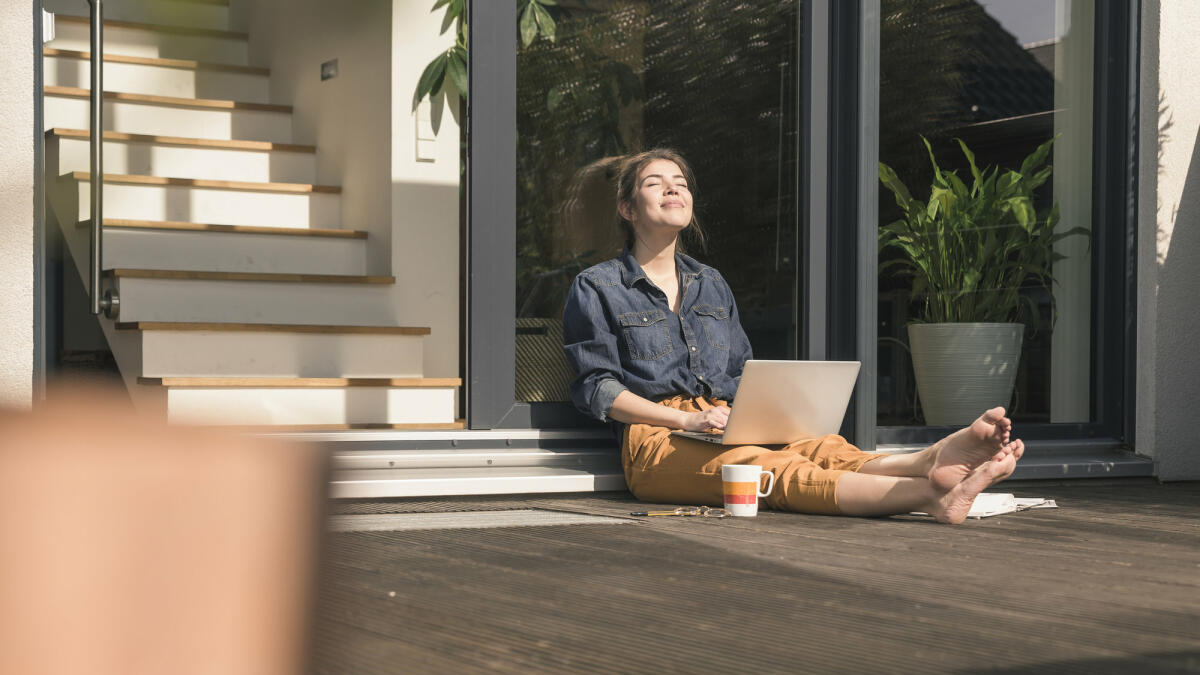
(1108,582)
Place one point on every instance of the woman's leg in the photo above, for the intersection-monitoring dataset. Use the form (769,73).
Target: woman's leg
(818,476)
(952,459)
(663,468)
(860,494)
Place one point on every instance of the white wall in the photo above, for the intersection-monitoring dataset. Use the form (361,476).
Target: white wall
(1168,380)
(346,117)
(365,132)
(16,205)
(425,242)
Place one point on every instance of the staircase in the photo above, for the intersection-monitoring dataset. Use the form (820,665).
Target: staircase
(221,248)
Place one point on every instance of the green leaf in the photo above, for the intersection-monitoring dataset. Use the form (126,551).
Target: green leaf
(554,97)
(453,10)
(971,160)
(932,159)
(431,80)
(1022,211)
(891,181)
(439,3)
(528,25)
(456,67)
(1036,157)
(545,22)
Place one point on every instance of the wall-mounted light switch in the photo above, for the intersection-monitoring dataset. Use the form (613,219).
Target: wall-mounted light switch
(426,139)
(329,69)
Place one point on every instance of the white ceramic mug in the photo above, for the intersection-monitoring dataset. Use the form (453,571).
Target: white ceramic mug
(740,484)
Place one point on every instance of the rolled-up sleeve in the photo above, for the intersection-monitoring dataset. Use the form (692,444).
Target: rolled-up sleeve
(592,351)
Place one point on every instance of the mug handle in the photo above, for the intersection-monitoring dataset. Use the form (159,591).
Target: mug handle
(770,483)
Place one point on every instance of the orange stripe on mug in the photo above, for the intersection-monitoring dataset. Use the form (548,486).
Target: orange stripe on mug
(739,488)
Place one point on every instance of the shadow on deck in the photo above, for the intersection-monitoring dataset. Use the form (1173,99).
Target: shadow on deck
(1108,582)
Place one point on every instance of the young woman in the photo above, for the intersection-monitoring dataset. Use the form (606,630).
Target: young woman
(655,342)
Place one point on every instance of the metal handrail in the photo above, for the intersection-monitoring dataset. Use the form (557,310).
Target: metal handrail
(107,302)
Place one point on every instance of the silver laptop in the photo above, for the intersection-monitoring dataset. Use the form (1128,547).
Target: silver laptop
(784,401)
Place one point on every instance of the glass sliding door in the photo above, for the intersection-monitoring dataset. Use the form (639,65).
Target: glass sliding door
(718,84)
(1008,223)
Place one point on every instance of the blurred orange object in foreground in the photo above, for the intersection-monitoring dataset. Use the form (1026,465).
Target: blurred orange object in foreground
(127,546)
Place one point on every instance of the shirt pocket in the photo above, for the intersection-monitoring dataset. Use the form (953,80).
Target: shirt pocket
(715,321)
(646,334)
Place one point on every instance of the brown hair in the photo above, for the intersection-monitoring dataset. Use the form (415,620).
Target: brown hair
(627,184)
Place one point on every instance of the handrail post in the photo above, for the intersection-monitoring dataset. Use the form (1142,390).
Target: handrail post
(96,139)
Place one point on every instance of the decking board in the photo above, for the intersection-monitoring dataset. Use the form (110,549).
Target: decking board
(1109,582)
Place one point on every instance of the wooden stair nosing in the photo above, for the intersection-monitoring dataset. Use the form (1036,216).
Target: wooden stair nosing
(179,226)
(184,64)
(177,101)
(266,146)
(158,28)
(244,186)
(278,277)
(271,328)
(302,382)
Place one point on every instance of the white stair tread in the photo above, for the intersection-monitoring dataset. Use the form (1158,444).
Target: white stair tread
(177,101)
(374,483)
(157,28)
(154,29)
(187,64)
(175,225)
(204,183)
(222,119)
(264,146)
(240,405)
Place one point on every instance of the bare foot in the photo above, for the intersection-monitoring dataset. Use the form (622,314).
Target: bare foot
(953,506)
(1018,449)
(957,455)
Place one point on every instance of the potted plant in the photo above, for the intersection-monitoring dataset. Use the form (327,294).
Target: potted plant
(973,254)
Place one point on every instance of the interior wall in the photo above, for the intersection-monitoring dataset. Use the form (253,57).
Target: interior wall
(1168,368)
(424,190)
(366,131)
(346,117)
(16,205)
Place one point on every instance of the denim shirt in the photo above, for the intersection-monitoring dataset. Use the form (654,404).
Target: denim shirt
(619,334)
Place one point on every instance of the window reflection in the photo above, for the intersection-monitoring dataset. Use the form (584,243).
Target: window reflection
(717,83)
(1002,76)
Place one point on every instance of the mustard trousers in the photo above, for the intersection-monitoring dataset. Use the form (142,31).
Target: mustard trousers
(667,469)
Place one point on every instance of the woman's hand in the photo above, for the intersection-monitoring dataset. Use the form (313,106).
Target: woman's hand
(713,418)
(630,408)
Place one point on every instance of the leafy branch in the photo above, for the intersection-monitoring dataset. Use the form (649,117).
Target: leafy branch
(533,20)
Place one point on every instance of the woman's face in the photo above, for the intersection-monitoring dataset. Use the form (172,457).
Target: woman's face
(662,201)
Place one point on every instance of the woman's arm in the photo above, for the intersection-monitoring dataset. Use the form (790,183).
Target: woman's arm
(630,408)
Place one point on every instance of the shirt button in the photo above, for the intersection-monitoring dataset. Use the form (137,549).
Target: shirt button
(693,349)
(644,319)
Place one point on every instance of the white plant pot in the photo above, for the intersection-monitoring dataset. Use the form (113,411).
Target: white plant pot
(964,368)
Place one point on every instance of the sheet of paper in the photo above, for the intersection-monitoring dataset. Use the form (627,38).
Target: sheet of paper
(989,504)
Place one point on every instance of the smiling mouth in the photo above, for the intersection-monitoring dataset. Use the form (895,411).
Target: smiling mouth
(677,204)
